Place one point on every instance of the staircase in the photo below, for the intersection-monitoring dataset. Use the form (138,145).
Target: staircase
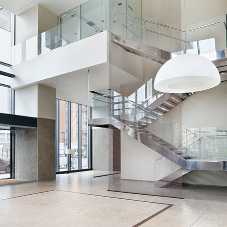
(160,106)
(134,124)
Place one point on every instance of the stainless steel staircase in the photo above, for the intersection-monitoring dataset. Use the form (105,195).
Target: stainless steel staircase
(165,149)
(173,146)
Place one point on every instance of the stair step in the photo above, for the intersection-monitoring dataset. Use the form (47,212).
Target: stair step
(176,99)
(170,103)
(178,152)
(185,156)
(157,112)
(165,108)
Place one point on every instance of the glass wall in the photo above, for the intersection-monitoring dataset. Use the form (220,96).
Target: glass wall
(4,154)
(5,100)
(5,36)
(73,133)
(63,135)
(84,137)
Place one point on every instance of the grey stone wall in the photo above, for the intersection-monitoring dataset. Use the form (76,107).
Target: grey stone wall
(106,150)
(102,149)
(35,152)
(46,149)
(26,166)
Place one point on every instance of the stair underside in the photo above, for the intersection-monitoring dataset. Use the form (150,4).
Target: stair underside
(168,180)
(141,49)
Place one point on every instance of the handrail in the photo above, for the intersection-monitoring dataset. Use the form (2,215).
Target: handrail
(190,137)
(175,124)
(148,30)
(151,22)
(204,26)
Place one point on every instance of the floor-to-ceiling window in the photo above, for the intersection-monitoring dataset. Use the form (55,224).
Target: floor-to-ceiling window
(73,137)
(6,93)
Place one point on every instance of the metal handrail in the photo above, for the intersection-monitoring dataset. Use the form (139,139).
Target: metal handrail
(151,22)
(148,30)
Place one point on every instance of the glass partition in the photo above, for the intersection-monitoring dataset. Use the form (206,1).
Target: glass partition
(5,36)
(210,144)
(74,135)
(5,100)
(63,136)
(4,154)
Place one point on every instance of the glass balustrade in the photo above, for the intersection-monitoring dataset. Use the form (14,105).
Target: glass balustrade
(207,38)
(208,144)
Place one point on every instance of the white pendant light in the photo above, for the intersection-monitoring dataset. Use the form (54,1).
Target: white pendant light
(187,73)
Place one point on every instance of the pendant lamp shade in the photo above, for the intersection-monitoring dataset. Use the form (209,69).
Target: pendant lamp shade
(187,73)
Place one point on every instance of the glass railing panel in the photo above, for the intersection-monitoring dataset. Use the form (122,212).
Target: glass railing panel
(209,145)
(210,36)
(207,37)
(90,23)
(101,105)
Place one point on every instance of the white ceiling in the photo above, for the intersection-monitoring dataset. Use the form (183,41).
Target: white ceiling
(55,6)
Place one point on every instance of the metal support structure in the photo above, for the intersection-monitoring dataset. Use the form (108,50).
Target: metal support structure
(69,134)
(79,137)
(12,153)
(185,32)
(57,135)
(12,104)
(89,140)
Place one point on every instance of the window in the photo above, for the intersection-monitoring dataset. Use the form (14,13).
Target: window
(73,144)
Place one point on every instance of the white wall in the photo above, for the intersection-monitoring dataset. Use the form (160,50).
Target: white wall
(204,9)
(46,19)
(27,25)
(202,109)
(33,22)
(26,101)
(75,56)
(36,101)
(46,102)
(138,162)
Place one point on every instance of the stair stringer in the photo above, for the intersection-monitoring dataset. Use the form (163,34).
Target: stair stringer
(185,164)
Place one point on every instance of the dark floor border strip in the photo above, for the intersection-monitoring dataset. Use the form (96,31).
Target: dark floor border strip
(152,216)
(145,194)
(135,200)
(105,175)
(114,197)
(19,196)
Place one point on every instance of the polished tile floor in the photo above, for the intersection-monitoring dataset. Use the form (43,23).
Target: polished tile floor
(78,199)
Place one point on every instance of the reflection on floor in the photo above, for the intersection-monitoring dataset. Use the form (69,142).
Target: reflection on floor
(78,199)
(10,181)
(4,175)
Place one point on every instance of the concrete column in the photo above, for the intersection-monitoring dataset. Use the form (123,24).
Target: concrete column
(37,147)
(33,22)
